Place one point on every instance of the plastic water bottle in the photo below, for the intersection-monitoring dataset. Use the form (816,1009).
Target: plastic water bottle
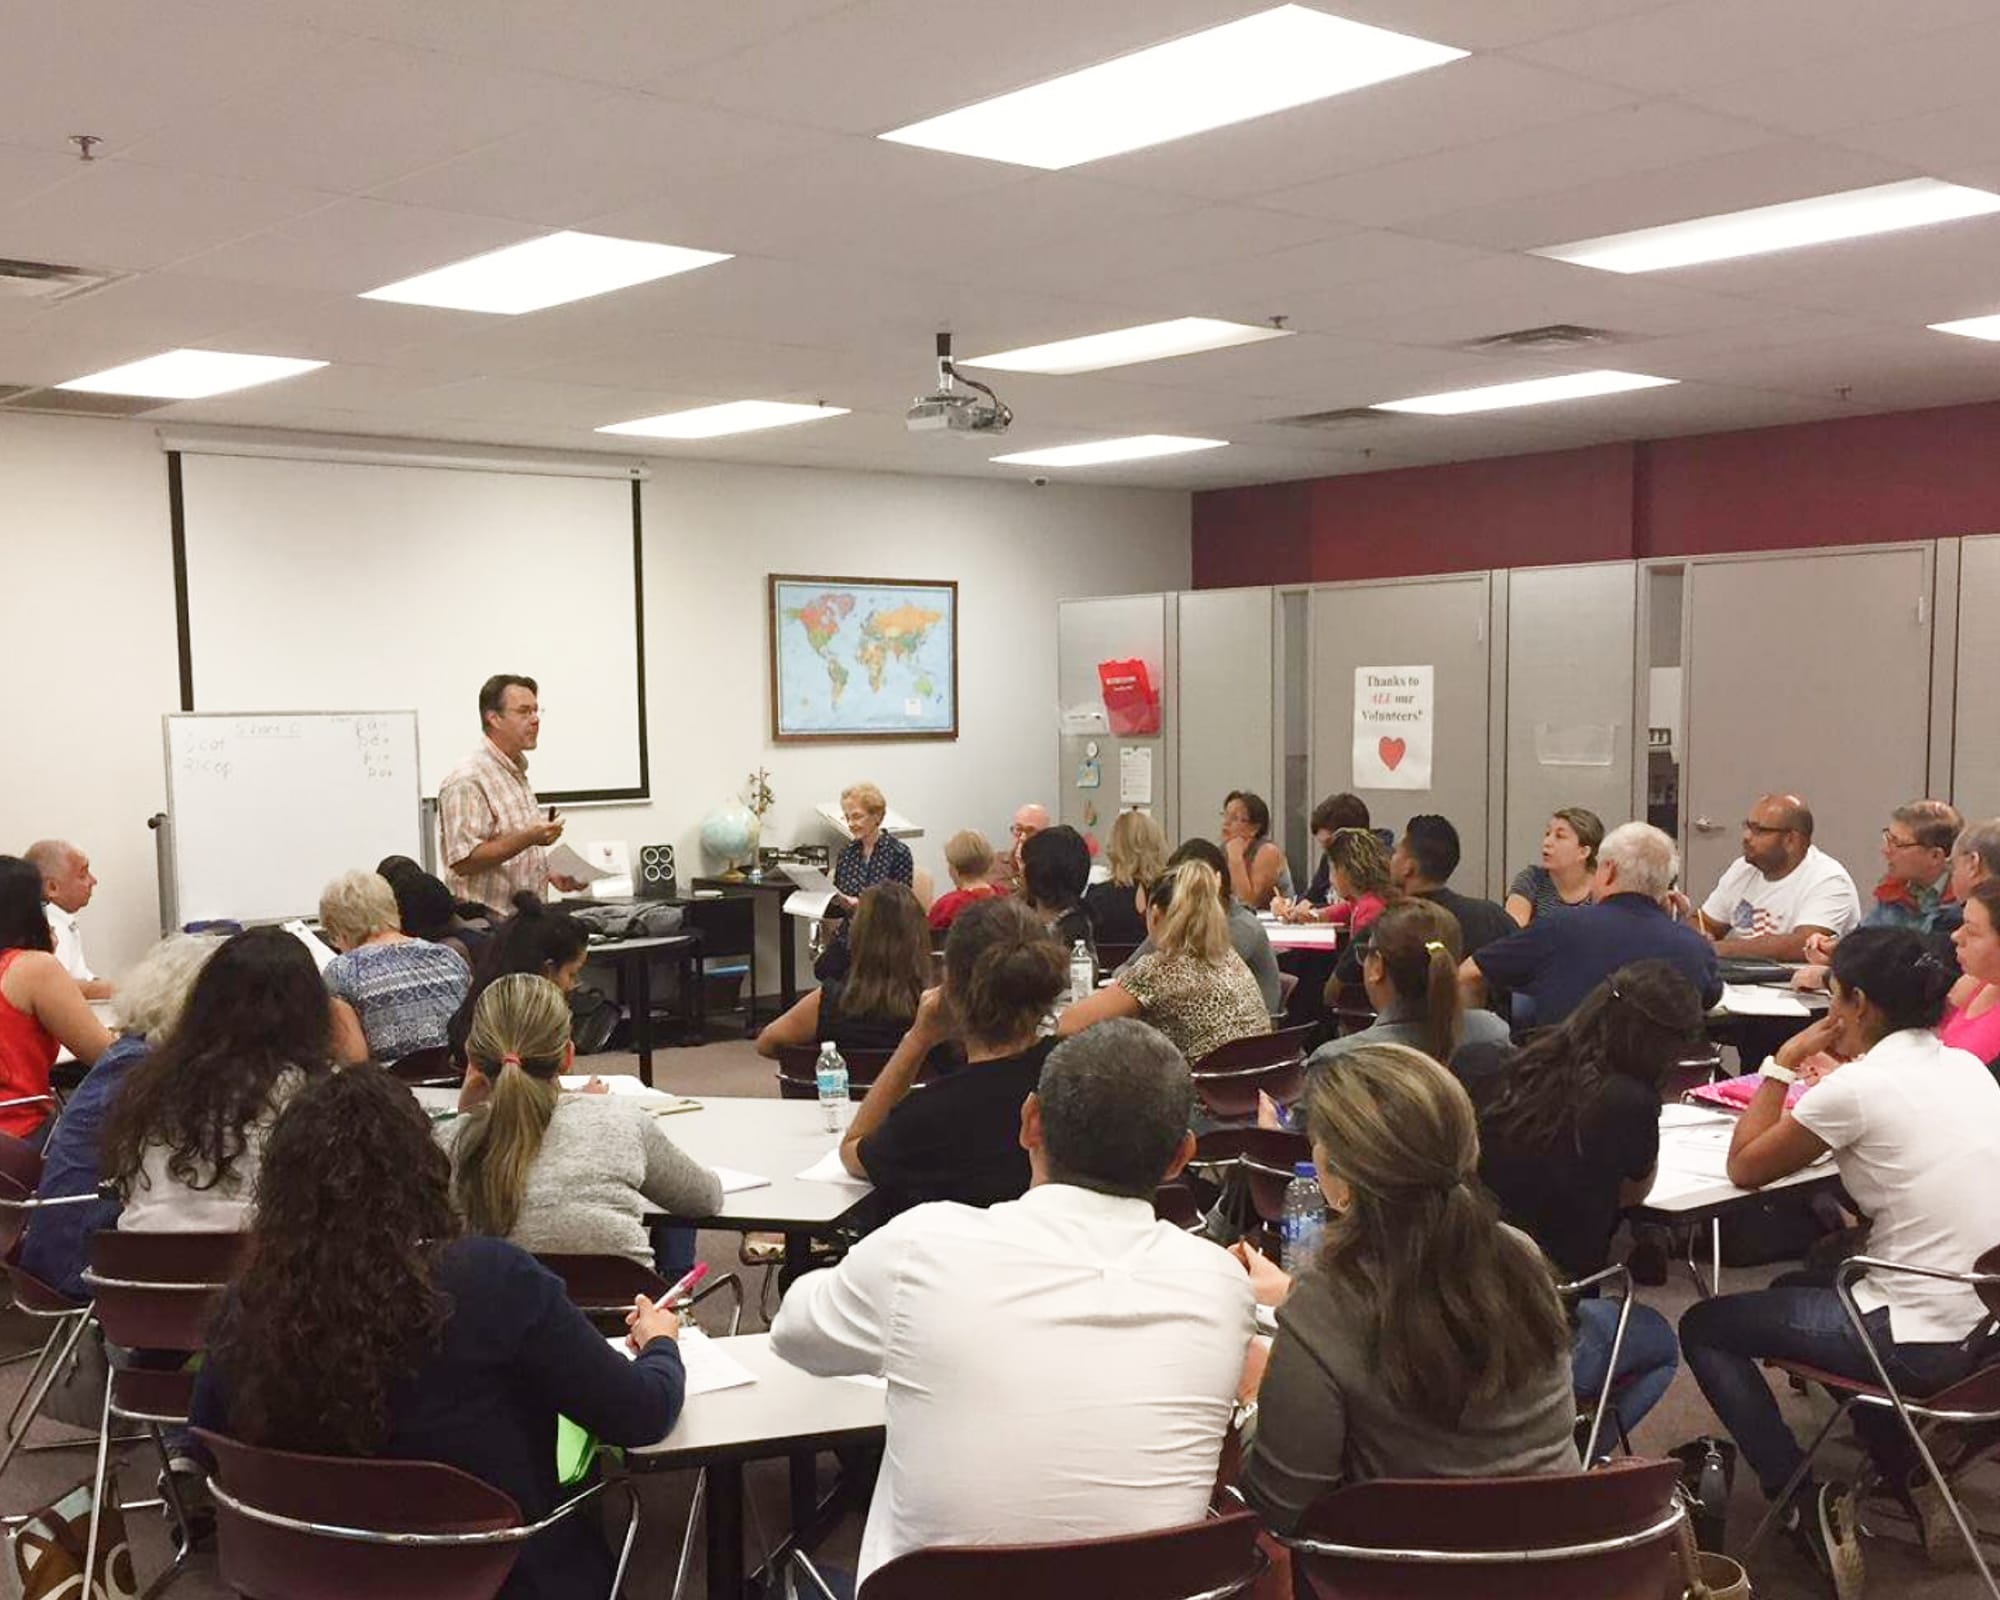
(1082,973)
(832,1075)
(1304,1219)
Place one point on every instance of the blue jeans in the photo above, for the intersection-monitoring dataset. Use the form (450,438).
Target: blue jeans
(1646,1361)
(1726,1337)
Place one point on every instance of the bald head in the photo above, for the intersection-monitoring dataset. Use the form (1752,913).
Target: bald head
(1788,811)
(66,877)
(1030,820)
(1777,834)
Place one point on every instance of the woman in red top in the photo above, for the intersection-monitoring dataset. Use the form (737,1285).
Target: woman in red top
(970,859)
(41,1007)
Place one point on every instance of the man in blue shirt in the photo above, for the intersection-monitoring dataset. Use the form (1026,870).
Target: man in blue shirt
(1551,964)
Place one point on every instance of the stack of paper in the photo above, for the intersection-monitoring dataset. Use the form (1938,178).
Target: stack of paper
(829,1170)
(709,1365)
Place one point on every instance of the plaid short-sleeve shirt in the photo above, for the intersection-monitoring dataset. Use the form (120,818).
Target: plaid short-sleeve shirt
(483,797)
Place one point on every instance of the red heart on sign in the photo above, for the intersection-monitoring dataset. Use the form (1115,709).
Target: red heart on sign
(1392,753)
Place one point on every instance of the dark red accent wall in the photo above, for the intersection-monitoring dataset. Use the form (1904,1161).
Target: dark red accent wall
(1860,480)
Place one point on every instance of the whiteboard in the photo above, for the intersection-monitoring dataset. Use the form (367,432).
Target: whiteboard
(265,810)
(323,584)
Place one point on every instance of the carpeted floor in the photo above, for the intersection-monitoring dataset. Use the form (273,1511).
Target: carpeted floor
(729,1066)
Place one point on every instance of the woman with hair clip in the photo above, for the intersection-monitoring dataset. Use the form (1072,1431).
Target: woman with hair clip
(1410,970)
(42,1010)
(1191,985)
(186,1134)
(1426,1341)
(365,1326)
(537,939)
(1914,1128)
(1571,1136)
(561,1174)
(873,1005)
(960,1137)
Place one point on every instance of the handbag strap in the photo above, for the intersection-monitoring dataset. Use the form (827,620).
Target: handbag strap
(1697,1588)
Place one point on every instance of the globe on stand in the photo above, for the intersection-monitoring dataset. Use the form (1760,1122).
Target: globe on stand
(729,835)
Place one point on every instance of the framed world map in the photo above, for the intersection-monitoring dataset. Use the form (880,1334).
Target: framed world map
(863,658)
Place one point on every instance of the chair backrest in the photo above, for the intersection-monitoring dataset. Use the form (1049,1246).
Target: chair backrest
(1204,1560)
(1265,1156)
(798,1078)
(1175,1202)
(1231,1076)
(432,1066)
(1388,1528)
(1257,1050)
(1110,957)
(1989,1293)
(157,1291)
(20,1175)
(272,1563)
(601,1285)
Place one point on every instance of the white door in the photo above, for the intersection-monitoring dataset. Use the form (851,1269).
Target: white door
(1807,674)
(1436,622)
(1975,764)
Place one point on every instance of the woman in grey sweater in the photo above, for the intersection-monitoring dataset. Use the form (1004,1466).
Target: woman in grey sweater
(1426,1340)
(558,1174)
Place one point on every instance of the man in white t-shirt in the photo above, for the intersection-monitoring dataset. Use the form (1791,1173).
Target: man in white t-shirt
(1060,1366)
(1783,891)
(67,885)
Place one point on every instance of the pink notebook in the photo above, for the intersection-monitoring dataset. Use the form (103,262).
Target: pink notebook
(1733,1094)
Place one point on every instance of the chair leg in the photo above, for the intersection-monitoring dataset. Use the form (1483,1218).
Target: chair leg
(803,1563)
(631,1537)
(46,1383)
(1798,1477)
(1958,1517)
(98,1485)
(687,1539)
(62,1336)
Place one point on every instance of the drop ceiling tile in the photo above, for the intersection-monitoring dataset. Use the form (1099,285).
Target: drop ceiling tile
(1288,282)
(359,115)
(1785,169)
(351,246)
(618,152)
(1960,143)
(122,215)
(1196,236)
(117,68)
(698,365)
(1561,155)
(27,171)
(1671,48)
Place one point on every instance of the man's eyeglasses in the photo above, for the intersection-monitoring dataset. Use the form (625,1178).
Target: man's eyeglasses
(1762,827)
(1896,843)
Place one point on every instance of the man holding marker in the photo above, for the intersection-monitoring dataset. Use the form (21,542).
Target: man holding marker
(496,834)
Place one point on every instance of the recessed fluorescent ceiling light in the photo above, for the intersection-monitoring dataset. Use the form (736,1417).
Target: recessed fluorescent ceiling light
(1122,347)
(1534,392)
(712,422)
(1269,62)
(1138,448)
(191,374)
(1852,214)
(550,271)
(1970,327)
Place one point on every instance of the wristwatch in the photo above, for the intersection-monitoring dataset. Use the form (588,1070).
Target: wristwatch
(1772,1071)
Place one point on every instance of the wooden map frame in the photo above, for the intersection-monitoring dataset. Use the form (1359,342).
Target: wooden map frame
(855,735)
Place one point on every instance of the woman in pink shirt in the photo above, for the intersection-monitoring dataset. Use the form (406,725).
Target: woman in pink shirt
(41,1008)
(1973,1022)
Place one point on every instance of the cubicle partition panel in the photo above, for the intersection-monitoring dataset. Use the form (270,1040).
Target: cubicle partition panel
(1974,777)
(1226,721)
(1136,627)
(1442,624)
(1573,728)
(1808,673)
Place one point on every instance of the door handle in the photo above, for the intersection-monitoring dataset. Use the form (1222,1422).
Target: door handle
(1709,825)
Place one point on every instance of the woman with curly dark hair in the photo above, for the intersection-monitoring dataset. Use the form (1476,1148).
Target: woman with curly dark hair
(1571,1137)
(363,1326)
(186,1132)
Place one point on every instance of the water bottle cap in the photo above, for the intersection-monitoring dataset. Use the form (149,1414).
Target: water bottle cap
(1305,1169)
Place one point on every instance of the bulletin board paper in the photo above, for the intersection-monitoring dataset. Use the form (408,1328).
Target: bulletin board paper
(1393,714)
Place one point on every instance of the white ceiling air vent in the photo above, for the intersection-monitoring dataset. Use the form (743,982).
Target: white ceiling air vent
(1556,336)
(49,281)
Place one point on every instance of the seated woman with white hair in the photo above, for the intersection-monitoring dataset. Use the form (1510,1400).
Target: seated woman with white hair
(392,994)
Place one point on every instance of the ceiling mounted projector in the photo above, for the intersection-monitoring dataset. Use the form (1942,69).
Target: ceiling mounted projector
(957,405)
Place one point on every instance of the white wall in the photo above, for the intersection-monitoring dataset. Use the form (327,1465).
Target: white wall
(86,610)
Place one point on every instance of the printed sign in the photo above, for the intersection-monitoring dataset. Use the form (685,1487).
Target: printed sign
(1392,727)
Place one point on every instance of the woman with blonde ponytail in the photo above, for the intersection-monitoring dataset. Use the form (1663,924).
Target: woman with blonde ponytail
(1426,1341)
(569,1174)
(1410,970)
(1191,985)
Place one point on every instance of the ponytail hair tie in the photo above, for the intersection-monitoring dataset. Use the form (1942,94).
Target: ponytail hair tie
(510,1060)
(1434,944)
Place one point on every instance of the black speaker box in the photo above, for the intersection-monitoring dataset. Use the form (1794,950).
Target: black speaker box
(656,872)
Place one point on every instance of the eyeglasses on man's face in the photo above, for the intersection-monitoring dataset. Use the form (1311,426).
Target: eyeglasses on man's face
(1751,826)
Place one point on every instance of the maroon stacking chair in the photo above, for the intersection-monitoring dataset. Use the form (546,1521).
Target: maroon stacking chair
(20,1176)
(798,1078)
(1974,1399)
(604,1287)
(1262,1160)
(156,1292)
(1110,957)
(1207,1560)
(1176,1203)
(1608,1535)
(428,1069)
(1231,1076)
(302,1527)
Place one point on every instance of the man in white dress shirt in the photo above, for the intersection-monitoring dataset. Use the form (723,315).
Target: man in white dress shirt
(67,885)
(1061,1366)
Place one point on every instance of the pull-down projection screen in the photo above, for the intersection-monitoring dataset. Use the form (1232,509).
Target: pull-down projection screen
(321,585)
